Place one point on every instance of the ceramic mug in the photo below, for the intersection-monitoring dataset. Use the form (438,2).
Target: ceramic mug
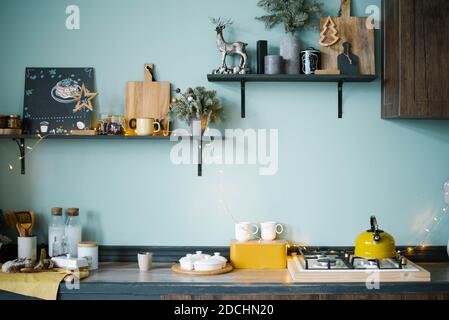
(145,126)
(270,230)
(27,248)
(245,231)
(145,260)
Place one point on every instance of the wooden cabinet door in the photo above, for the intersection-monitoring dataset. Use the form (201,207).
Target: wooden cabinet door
(416,59)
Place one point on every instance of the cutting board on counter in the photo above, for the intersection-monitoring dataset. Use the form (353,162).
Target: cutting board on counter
(353,30)
(147,99)
(413,273)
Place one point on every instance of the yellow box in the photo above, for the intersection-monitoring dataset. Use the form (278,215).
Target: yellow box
(259,254)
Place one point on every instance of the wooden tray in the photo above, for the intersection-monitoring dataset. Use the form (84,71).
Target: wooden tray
(177,268)
(355,276)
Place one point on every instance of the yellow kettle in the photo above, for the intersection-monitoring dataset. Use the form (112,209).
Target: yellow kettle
(375,243)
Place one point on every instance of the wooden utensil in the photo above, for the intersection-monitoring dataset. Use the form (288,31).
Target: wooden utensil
(355,31)
(25,220)
(20,230)
(148,99)
(33,221)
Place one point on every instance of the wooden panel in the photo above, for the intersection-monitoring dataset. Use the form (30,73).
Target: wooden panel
(390,58)
(353,30)
(415,71)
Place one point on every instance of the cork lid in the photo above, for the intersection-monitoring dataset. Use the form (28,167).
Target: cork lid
(87,244)
(73,212)
(56,211)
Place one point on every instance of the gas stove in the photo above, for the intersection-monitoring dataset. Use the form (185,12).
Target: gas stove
(334,266)
(346,260)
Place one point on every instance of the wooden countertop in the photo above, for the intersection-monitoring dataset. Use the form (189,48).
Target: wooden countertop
(125,281)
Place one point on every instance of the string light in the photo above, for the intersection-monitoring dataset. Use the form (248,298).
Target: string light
(29,149)
(436,222)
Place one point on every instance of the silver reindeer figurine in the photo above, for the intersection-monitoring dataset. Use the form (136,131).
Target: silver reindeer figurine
(229,49)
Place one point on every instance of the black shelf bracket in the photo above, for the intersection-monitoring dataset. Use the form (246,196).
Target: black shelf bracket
(200,156)
(21,144)
(243,97)
(340,99)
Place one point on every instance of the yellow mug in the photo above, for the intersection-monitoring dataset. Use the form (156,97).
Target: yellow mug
(144,126)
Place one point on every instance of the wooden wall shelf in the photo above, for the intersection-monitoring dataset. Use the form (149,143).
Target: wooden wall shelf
(21,140)
(243,79)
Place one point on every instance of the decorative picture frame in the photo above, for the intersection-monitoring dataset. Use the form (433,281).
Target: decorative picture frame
(58,100)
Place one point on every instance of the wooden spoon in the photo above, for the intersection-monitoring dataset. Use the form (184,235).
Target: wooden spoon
(33,220)
(26,221)
(20,230)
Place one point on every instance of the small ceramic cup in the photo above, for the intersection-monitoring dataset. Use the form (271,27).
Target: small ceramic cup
(245,231)
(270,230)
(145,260)
(27,248)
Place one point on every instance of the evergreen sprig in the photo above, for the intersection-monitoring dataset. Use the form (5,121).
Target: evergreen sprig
(196,104)
(293,14)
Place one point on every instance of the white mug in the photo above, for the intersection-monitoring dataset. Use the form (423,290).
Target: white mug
(145,126)
(27,248)
(269,230)
(145,260)
(245,231)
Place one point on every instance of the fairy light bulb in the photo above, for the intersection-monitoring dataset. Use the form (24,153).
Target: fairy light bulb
(29,148)
(10,167)
(427,230)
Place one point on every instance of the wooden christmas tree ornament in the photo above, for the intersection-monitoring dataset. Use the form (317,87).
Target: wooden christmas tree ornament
(328,37)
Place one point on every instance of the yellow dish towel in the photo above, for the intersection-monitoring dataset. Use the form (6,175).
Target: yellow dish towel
(43,285)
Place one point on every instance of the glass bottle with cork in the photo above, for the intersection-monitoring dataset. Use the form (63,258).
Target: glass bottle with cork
(73,231)
(56,231)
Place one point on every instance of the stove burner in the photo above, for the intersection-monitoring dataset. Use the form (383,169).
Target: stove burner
(343,260)
(325,262)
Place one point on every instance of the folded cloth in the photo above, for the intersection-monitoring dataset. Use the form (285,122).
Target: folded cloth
(42,285)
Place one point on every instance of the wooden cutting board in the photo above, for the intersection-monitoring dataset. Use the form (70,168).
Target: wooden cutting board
(147,99)
(353,30)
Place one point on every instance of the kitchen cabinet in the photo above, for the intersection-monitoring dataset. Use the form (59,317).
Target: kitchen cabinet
(415,77)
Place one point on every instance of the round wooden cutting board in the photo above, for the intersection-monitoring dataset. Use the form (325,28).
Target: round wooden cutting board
(177,268)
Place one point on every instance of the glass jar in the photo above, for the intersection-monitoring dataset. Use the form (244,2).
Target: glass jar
(14,122)
(102,124)
(73,232)
(117,126)
(56,231)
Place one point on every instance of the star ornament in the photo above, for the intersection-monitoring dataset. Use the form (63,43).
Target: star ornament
(84,99)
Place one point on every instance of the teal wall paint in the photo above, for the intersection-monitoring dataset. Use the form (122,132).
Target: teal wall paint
(332,173)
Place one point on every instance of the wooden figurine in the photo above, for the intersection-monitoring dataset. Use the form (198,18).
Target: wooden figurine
(348,63)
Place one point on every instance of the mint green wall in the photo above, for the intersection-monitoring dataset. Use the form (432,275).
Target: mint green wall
(332,173)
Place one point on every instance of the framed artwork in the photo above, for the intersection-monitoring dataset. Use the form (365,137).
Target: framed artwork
(58,100)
